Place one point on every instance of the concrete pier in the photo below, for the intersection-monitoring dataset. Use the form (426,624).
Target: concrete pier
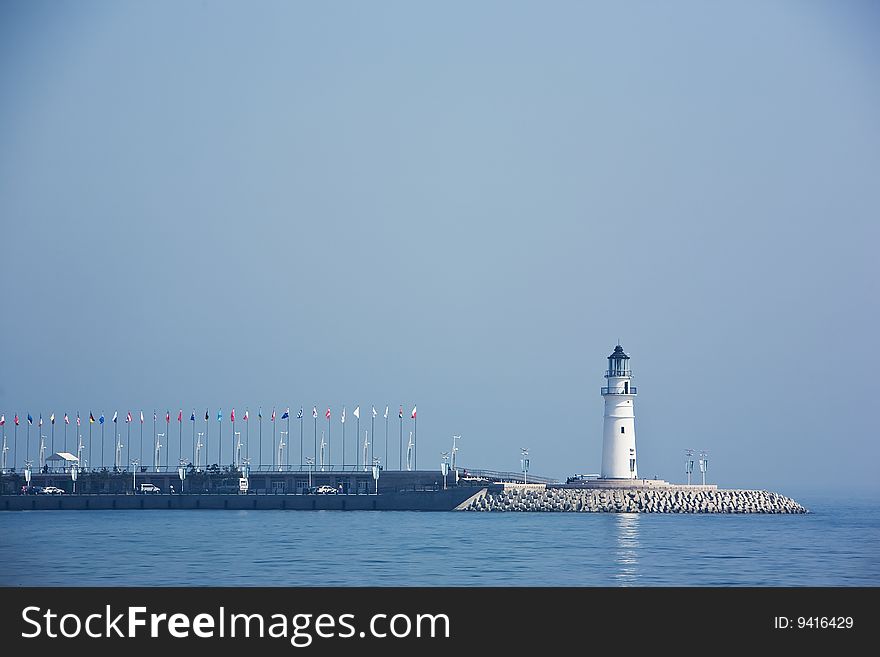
(398,501)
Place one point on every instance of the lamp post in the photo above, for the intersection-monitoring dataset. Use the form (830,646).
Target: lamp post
(134,466)
(454,450)
(181,472)
(159,446)
(281,446)
(444,467)
(27,473)
(237,459)
(73,475)
(5,450)
(117,462)
(525,463)
(310,461)
(376,461)
(42,452)
(688,463)
(199,446)
(704,464)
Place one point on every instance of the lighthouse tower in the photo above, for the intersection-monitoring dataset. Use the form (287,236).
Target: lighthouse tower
(619,431)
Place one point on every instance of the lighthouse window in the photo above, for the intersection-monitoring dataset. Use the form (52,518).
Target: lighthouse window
(622,429)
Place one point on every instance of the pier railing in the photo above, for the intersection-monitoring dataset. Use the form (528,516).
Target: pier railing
(619,391)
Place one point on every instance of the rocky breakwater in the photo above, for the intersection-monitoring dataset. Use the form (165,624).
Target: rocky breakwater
(665,500)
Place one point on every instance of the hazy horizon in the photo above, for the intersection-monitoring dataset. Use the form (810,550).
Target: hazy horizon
(461,206)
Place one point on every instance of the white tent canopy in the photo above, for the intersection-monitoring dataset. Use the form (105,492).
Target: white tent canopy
(65,457)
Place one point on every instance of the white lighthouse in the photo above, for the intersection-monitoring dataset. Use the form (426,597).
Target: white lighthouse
(619,431)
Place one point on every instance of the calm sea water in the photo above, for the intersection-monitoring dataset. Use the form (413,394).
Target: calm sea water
(837,544)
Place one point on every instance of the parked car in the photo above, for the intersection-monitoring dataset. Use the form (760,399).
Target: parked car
(52,490)
(150,488)
(322,490)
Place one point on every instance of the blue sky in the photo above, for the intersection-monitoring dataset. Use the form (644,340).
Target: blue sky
(459,205)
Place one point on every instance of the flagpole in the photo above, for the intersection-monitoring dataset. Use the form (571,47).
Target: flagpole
(233,440)
(315,417)
(372,434)
(141,460)
(128,442)
(260,422)
(273,436)
(193,417)
(288,439)
(328,460)
(102,443)
(416,442)
(90,440)
(53,433)
(180,439)
(65,434)
(15,444)
(220,439)
(357,448)
(400,441)
(386,437)
(300,439)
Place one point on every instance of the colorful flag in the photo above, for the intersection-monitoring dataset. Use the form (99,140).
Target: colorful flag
(232,416)
(386,412)
(343,414)
(193,416)
(2,420)
(167,417)
(66,419)
(114,416)
(315,412)
(273,415)
(374,412)
(91,418)
(142,416)
(180,416)
(286,414)
(155,417)
(357,412)
(400,413)
(30,419)
(327,414)
(260,413)
(245,415)
(52,418)
(15,419)
(101,419)
(128,417)
(299,416)
(41,420)
(413,416)
(77,419)
(206,415)
(219,415)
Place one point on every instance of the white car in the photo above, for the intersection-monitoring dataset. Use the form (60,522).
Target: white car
(150,488)
(52,490)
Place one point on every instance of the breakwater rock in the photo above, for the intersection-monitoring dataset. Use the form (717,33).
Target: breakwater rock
(664,500)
